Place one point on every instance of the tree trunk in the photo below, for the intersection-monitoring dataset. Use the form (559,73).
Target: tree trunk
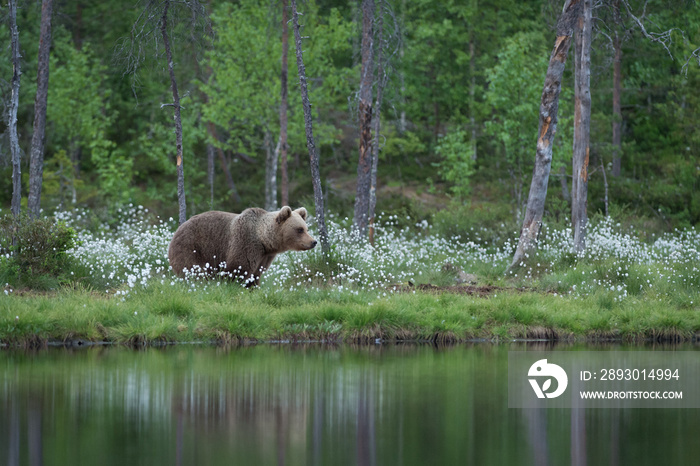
(270,173)
(284,182)
(12,120)
(617,88)
(377,126)
(582,127)
(36,167)
(182,203)
(617,110)
(313,154)
(549,106)
(364,165)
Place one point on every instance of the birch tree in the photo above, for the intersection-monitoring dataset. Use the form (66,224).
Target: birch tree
(617,90)
(310,143)
(14,104)
(282,144)
(364,165)
(548,119)
(181,201)
(155,24)
(582,126)
(381,81)
(36,157)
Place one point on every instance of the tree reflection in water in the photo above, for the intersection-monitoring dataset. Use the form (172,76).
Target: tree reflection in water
(310,405)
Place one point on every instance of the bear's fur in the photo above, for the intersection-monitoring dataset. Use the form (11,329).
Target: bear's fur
(247,242)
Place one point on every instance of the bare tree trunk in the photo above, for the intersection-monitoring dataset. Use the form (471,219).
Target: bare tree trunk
(364,165)
(284,182)
(377,126)
(313,154)
(36,159)
(549,108)
(270,173)
(582,127)
(617,90)
(182,203)
(16,206)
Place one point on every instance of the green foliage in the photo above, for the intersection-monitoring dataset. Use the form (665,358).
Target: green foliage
(456,165)
(60,178)
(476,66)
(33,250)
(515,88)
(244,89)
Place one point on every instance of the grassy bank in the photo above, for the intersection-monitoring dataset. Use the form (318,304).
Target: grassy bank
(225,314)
(114,285)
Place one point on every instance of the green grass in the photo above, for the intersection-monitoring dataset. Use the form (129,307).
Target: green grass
(225,313)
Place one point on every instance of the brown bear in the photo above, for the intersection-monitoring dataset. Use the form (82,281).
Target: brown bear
(242,245)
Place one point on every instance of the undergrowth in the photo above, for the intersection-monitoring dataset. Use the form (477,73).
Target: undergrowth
(116,286)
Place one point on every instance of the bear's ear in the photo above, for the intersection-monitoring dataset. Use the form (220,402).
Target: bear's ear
(302,212)
(283,214)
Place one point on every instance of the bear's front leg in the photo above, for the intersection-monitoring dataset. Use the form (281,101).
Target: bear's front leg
(262,267)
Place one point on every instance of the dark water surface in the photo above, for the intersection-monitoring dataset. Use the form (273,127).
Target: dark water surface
(310,405)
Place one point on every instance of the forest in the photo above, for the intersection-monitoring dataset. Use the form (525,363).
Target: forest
(458,124)
(461,81)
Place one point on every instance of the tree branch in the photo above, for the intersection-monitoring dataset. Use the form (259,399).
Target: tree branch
(664,38)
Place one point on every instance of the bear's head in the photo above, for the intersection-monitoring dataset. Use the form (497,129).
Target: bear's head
(292,229)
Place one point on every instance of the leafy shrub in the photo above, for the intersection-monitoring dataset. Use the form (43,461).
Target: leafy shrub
(457,165)
(31,249)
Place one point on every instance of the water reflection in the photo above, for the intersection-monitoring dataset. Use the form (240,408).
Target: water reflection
(287,405)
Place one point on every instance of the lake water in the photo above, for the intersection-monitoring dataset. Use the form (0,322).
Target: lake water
(310,405)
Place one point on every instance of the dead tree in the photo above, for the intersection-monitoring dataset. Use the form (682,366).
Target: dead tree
(381,81)
(549,108)
(617,92)
(582,126)
(621,11)
(270,171)
(157,22)
(282,145)
(12,120)
(182,203)
(364,165)
(310,143)
(36,157)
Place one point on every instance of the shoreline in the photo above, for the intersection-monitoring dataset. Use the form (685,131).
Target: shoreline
(161,314)
(86,344)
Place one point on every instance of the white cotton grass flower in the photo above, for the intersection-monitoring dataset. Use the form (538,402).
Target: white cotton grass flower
(131,253)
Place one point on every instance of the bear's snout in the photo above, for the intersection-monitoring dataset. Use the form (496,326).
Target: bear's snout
(313,245)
